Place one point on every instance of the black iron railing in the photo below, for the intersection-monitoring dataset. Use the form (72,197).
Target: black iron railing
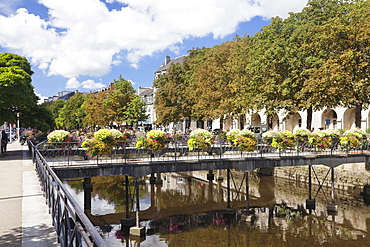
(71,153)
(72,226)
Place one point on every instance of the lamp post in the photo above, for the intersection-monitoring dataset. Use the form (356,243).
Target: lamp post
(18,127)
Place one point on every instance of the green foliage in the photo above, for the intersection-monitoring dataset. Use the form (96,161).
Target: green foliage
(118,100)
(135,111)
(16,90)
(95,147)
(72,114)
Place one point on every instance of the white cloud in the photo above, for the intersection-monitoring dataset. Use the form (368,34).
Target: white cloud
(42,98)
(85,38)
(73,83)
(91,84)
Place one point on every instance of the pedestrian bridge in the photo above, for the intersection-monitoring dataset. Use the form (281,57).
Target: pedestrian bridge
(74,228)
(147,167)
(69,160)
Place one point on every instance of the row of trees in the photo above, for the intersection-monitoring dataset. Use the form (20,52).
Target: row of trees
(104,108)
(17,97)
(317,58)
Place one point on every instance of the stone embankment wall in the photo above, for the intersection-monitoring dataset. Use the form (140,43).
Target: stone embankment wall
(349,177)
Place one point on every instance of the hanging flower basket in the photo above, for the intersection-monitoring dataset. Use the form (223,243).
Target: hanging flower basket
(201,139)
(244,140)
(153,140)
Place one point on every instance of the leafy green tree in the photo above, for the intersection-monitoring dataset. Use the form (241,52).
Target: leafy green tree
(16,90)
(136,111)
(210,88)
(309,49)
(118,100)
(267,69)
(96,110)
(72,114)
(37,117)
(54,107)
(171,103)
(344,75)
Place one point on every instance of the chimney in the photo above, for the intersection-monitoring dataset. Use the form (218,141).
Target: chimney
(166,60)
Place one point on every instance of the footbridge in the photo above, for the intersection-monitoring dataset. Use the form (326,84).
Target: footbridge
(196,163)
(73,226)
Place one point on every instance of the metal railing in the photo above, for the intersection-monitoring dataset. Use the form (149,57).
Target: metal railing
(72,226)
(71,153)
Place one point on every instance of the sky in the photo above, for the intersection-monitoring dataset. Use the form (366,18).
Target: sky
(85,44)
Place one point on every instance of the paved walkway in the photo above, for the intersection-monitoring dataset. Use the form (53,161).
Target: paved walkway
(24,216)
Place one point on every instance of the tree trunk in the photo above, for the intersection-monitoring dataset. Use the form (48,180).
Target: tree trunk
(222,123)
(269,122)
(358,109)
(309,118)
(242,121)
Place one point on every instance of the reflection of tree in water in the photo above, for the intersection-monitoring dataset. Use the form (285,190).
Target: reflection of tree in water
(174,198)
(75,184)
(113,190)
(215,230)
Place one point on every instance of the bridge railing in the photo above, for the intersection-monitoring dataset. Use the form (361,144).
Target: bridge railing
(71,153)
(72,226)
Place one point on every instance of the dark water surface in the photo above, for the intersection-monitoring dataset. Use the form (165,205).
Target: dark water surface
(189,210)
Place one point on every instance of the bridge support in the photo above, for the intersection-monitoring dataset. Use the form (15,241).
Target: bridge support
(247,193)
(332,207)
(152,179)
(128,221)
(219,176)
(87,193)
(310,203)
(159,181)
(210,175)
(247,217)
(229,212)
(137,230)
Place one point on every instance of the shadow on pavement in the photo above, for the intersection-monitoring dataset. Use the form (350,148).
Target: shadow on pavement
(36,236)
(13,238)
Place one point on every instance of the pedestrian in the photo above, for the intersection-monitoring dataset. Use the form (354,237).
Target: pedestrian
(4,141)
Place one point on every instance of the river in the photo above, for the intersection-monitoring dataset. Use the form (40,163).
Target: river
(186,209)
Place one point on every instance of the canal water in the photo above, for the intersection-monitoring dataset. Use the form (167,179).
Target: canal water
(191,209)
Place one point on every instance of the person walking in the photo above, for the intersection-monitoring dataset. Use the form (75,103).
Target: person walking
(4,141)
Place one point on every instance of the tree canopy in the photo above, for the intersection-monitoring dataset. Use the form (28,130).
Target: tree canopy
(16,90)
(312,60)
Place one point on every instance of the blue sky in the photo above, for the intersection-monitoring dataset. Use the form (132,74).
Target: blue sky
(86,44)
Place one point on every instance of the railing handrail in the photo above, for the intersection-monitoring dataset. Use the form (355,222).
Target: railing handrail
(60,201)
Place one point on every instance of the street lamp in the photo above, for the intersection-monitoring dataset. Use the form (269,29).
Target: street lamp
(18,127)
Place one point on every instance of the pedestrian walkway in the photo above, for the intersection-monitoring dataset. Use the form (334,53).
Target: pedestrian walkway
(24,216)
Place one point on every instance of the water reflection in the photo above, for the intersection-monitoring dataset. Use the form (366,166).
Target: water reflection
(188,210)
